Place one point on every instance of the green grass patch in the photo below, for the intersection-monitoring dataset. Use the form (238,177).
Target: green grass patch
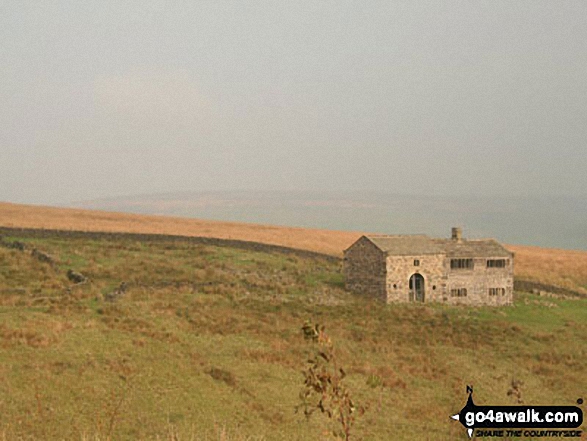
(207,344)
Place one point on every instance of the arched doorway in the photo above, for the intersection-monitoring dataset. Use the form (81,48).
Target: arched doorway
(416,288)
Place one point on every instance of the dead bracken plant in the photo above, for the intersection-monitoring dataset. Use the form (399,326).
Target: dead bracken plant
(324,388)
(515,390)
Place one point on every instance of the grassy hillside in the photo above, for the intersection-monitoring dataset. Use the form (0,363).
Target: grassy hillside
(206,343)
(29,216)
(562,268)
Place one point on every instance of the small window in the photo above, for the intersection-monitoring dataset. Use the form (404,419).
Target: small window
(433,287)
(496,292)
(461,263)
(395,286)
(416,262)
(459,292)
(496,263)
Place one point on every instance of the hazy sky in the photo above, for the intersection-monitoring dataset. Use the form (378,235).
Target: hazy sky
(107,98)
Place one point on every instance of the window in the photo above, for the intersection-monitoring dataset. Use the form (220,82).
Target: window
(416,262)
(495,263)
(461,263)
(459,292)
(496,291)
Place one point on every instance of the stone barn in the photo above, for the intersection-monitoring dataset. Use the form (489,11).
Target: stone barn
(419,268)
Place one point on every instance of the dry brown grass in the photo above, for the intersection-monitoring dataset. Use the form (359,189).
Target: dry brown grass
(29,216)
(563,268)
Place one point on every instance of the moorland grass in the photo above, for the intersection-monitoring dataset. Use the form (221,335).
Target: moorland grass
(560,268)
(207,344)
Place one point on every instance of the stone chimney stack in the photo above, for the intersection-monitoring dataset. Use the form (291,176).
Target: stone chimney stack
(457,234)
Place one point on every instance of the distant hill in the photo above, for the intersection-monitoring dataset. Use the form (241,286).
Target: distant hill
(547,221)
(564,268)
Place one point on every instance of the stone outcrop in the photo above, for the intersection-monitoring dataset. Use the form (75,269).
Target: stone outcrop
(76,277)
(117,294)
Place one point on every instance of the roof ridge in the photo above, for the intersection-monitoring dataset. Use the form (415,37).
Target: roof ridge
(397,235)
(467,239)
(412,244)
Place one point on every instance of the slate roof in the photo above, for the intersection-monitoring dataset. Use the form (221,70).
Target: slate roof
(421,244)
(406,245)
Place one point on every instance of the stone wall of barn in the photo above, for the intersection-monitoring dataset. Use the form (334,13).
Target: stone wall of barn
(369,271)
(401,268)
(484,286)
(364,269)
(479,281)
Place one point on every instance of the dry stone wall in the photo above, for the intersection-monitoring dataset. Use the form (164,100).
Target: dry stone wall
(230,243)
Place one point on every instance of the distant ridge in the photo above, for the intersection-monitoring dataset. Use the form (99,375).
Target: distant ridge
(566,269)
(43,217)
(546,221)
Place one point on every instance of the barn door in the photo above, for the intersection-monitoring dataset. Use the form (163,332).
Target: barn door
(417,288)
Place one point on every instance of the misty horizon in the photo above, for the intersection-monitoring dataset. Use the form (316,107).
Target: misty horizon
(107,99)
(386,117)
(556,222)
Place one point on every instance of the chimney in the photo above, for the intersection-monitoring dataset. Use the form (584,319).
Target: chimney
(457,234)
